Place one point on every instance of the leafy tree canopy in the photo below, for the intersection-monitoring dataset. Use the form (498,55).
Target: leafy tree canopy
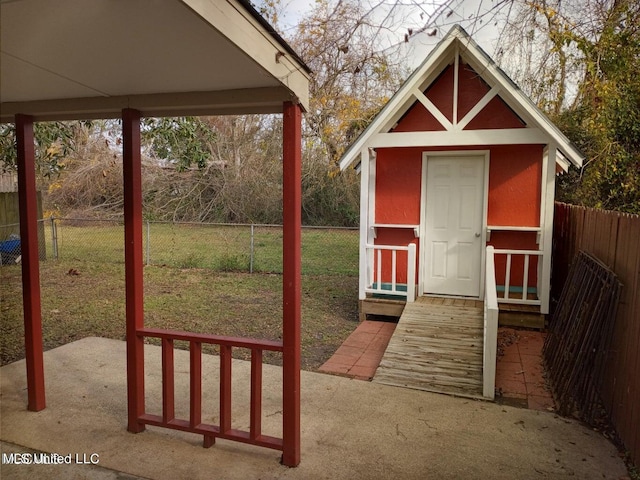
(604,119)
(54,141)
(180,141)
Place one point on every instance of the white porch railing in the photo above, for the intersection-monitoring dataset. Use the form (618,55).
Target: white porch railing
(527,254)
(374,282)
(490,328)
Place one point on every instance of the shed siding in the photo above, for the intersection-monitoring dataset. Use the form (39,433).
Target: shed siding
(495,115)
(418,119)
(398,183)
(471,89)
(515,180)
(440,92)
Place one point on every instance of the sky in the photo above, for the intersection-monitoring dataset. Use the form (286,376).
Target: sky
(429,20)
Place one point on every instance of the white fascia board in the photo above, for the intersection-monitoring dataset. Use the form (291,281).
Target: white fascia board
(241,101)
(244,31)
(420,84)
(516,99)
(459,139)
(562,162)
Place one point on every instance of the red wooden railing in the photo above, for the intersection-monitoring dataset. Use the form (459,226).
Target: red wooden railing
(194,424)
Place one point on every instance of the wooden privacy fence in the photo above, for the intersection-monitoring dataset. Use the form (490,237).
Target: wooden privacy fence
(613,238)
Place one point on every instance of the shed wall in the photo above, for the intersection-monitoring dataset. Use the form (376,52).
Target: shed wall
(514,199)
(515,176)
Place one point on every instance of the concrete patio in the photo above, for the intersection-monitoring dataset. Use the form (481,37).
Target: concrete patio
(350,429)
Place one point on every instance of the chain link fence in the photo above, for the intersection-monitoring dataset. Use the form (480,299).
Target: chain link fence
(221,247)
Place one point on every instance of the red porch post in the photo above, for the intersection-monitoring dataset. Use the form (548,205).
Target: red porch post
(132,173)
(291,166)
(30,262)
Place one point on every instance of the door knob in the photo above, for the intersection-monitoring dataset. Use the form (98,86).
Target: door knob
(477,235)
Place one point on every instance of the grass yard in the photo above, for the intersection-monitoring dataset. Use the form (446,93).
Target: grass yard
(222,248)
(92,303)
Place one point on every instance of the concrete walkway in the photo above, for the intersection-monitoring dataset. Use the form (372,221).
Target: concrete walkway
(350,429)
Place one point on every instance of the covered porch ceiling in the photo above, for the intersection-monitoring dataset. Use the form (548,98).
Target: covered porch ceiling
(85,59)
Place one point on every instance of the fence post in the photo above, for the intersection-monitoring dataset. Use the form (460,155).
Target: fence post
(251,252)
(54,237)
(148,243)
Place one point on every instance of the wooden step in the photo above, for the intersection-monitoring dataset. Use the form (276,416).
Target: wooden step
(381,306)
(526,316)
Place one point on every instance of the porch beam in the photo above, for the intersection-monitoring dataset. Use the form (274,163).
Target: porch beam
(133,257)
(291,280)
(506,136)
(236,101)
(32,308)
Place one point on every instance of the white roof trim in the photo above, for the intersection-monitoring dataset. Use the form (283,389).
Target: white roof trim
(433,64)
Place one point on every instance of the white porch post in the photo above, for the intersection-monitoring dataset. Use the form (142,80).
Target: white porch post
(546,224)
(367,215)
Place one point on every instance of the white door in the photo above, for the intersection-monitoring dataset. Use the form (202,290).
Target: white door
(453,225)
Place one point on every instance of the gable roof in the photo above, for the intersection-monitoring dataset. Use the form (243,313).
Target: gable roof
(73,59)
(458,42)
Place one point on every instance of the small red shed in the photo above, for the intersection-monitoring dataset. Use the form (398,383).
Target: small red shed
(458,160)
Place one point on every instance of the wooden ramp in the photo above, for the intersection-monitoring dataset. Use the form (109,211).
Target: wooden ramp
(436,346)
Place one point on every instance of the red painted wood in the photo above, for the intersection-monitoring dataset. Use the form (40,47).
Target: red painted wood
(250,343)
(208,441)
(225,388)
(210,432)
(440,92)
(195,375)
(515,187)
(31,302)
(168,381)
(214,431)
(292,135)
(496,114)
(398,183)
(398,187)
(471,89)
(418,119)
(514,183)
(132,173)
(255,421)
